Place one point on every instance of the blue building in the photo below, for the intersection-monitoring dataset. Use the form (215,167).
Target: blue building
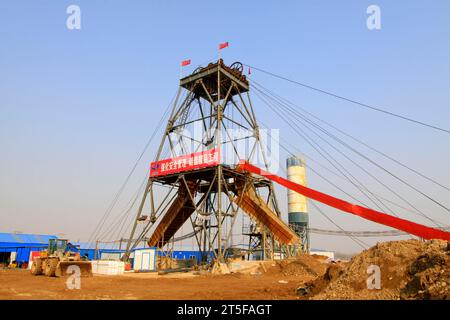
(115,254)
(17,246)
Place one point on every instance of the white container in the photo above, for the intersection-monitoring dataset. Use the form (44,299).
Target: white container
(144,259)
(108,267)
(114,256)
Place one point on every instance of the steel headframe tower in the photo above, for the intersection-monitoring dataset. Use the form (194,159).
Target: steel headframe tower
(211,120)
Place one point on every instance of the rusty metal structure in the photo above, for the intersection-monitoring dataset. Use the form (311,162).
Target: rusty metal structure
(212,111)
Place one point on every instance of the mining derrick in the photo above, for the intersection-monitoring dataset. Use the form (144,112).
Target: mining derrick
(211,118)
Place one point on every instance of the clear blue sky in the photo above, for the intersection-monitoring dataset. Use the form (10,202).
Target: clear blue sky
(77,107)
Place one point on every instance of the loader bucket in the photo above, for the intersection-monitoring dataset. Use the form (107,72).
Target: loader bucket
(64,269)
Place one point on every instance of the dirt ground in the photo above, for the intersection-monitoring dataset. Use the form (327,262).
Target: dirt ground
(409,269)
(274,280)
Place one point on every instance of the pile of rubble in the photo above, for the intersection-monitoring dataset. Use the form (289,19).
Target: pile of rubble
(302,266)
(409,269)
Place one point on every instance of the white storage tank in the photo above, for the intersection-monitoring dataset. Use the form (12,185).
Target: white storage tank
(297,203)
(144,259)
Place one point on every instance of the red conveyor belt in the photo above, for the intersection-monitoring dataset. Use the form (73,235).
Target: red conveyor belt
(366,213)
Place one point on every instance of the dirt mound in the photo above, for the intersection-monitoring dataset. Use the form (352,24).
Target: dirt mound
(304,265)
(429,277)
(311,288)
(409,269)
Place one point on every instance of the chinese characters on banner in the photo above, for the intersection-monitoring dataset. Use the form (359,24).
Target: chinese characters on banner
(185,162)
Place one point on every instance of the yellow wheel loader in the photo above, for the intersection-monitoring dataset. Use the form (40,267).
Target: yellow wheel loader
(57,260)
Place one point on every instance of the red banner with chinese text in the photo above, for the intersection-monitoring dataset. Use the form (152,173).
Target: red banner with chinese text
(186,162)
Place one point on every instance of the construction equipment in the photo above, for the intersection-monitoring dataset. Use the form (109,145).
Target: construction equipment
(58,258)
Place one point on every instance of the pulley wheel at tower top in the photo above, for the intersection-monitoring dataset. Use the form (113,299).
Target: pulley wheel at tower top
(237,66)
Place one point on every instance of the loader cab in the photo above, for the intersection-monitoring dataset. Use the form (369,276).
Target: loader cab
(57,246)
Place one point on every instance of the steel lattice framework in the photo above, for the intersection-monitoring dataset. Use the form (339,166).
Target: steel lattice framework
(216,113)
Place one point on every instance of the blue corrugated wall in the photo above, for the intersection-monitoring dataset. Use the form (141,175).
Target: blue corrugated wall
(23,252)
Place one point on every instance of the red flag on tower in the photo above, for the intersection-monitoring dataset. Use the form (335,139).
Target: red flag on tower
(185,62)
(223,45)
